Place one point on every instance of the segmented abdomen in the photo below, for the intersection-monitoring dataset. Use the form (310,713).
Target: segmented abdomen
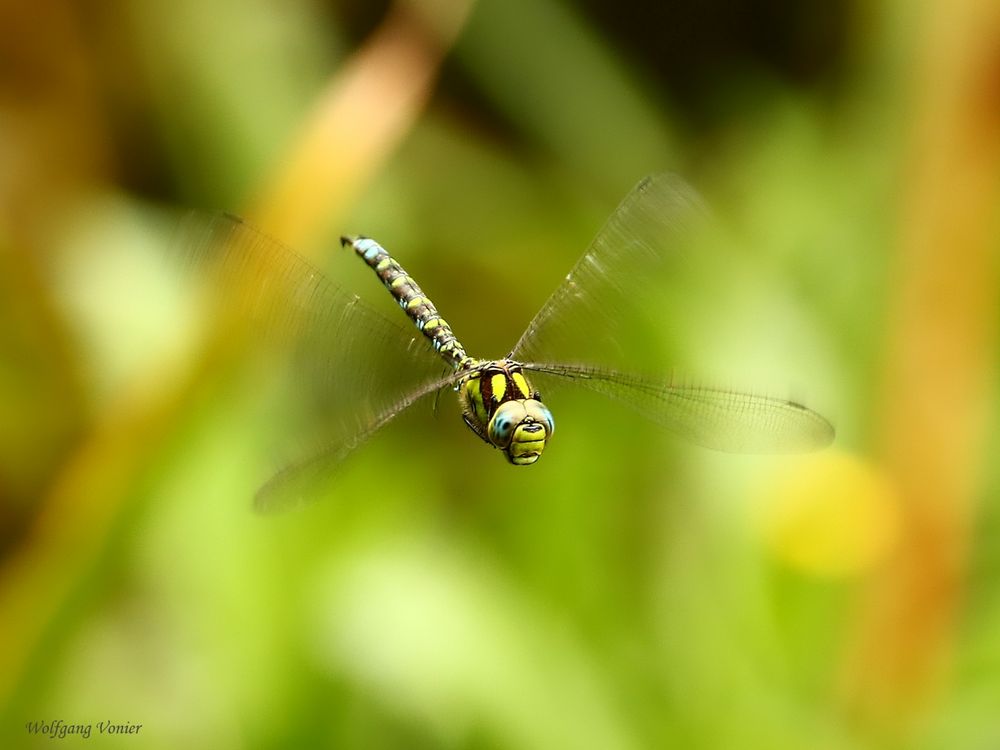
(412,299)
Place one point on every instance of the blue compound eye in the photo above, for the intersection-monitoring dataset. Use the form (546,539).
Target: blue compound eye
(506,418)
(540,413)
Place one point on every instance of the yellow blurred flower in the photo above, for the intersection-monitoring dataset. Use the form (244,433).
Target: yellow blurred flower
(831,514)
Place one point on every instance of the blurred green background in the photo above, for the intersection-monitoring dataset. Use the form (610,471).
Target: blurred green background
(643,595)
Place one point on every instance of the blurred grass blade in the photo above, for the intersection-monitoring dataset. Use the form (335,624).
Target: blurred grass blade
(358,120)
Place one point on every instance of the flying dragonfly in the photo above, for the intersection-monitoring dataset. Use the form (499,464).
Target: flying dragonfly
(365,370)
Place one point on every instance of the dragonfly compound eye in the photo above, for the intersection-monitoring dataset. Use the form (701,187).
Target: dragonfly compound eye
(521,428)
(540,413)
(505,419)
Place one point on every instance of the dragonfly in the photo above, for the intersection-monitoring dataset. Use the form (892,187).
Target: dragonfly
(361,369)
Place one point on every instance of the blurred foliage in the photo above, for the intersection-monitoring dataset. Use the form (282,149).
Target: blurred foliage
(632,595)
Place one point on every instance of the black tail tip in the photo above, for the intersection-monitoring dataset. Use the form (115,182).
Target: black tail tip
(346,241)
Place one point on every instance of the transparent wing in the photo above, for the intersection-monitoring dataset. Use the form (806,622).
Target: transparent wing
(297,482)
(607,310)
(712,417)
(352,369)
(614,312)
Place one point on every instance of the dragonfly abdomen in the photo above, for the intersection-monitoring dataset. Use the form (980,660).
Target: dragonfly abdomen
(411,299)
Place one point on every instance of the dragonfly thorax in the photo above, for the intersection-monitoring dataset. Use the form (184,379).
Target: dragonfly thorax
(501,407)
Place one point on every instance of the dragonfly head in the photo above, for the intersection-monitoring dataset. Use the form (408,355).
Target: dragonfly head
(521,428)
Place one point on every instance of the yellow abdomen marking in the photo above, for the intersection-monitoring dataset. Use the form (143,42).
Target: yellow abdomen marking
(417,302)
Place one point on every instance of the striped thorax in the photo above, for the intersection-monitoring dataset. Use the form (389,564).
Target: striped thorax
(500,406)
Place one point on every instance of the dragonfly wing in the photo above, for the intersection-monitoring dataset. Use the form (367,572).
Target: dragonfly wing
(352,369)
(294,484)
(712,417)
(614,294)
(614,312)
